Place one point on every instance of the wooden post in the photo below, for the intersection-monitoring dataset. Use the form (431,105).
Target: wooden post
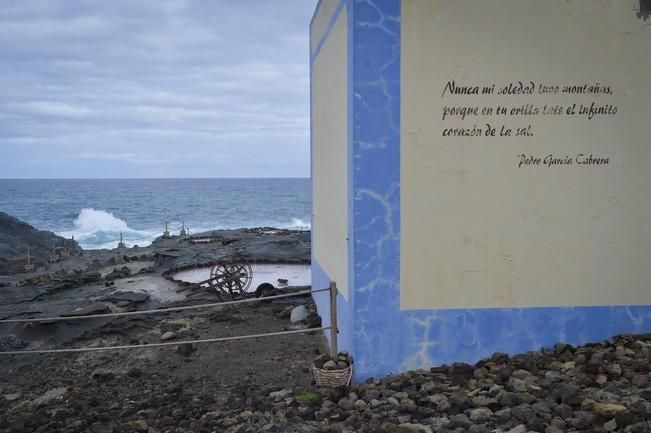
(333,319)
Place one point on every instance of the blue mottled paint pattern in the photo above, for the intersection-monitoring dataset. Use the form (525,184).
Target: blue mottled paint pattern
(375,74)
(382,338)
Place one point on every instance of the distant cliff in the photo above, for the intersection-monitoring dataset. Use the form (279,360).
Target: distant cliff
(16,236)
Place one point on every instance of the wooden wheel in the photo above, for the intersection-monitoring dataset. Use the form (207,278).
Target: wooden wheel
(231,278)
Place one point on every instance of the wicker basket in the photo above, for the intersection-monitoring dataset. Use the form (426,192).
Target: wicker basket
(332,378)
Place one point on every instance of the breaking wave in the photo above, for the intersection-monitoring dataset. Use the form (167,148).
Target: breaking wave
(98,229)
(297,224)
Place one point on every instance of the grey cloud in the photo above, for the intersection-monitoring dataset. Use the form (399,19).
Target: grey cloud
(132,83)
(50,108)
(28,29)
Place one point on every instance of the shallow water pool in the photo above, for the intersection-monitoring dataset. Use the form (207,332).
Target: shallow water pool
(297,275)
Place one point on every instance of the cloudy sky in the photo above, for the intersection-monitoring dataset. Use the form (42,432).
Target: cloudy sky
(154,88)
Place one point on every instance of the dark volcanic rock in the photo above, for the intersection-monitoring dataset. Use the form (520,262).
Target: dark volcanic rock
(460,398)
(128,297)
(260,244)
(116,274)
(16,236)
(75,278)
(11,342)
(94,308)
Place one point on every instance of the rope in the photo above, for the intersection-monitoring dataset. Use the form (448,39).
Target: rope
(162,310)
(169,343)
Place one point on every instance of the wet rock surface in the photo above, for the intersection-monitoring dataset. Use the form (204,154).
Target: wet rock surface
(261,245)
(593,388)
(127,297)
(132,279)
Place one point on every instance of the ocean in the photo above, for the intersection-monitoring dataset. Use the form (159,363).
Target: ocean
(96,211)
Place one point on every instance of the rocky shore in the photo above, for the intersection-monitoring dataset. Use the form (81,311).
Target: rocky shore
(134,278)
(595,388)
(17,236)
(106,391)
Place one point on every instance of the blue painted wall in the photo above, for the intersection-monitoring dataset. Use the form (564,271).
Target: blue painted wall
(382,338)
(375,76)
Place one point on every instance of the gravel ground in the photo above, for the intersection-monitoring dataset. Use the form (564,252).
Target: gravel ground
(246,387)
(169,388)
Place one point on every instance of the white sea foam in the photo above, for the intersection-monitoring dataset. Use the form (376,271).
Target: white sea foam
(298,224)
(98,229)
(91,220)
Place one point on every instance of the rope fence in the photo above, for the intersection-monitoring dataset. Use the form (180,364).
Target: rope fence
(333,325)
(161,310)
(167,343)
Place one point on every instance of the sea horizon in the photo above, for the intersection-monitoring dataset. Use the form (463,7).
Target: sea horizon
(97,210)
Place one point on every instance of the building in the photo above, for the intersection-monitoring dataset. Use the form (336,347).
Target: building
(480,175)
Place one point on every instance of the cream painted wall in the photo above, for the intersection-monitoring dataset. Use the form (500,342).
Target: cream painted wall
(320,22)
(477,230)
(330,156)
